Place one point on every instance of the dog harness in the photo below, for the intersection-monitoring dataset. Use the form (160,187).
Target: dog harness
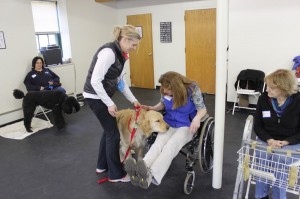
(137,110)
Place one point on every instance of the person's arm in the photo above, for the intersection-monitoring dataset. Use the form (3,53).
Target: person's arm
(295,139)
(293,113)
(29,84)
(258,122)
(127,92)
(106,58)
(195,125)
(158,107)
(55,77)
(201,109)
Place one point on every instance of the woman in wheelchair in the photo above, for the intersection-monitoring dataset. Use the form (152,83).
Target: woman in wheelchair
(277,121)
(184,106)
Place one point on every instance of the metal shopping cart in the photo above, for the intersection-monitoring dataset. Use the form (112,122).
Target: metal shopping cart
(259,163)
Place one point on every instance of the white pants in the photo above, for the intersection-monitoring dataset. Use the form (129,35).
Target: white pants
(164,150)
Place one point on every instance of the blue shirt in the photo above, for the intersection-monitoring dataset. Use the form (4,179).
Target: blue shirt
(181,116)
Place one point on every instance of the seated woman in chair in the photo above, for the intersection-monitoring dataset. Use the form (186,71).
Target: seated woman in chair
(41,78)
(277,121)
(183,102)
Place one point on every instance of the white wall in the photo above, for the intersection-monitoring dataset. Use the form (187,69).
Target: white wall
(166,56)
(263,35)
(90,25)
(15,60)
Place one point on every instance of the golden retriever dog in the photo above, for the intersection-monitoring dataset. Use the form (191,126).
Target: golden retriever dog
(147,123)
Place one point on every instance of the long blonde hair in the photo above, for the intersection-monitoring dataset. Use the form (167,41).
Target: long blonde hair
(125,31)
(178,84)
(284,80)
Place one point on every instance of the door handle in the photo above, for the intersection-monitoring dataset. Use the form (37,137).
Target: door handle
(149,54)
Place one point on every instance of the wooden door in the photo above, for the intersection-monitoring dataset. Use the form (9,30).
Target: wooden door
(141,61)
(200,38)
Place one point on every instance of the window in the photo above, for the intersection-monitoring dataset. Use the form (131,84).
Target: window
(46,24)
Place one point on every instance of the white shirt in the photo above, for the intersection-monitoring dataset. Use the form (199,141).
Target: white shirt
(106,57)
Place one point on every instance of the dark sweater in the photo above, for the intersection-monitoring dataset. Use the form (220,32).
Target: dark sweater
(267,125)
(35,79)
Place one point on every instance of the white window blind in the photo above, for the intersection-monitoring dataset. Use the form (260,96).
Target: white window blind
(45,16)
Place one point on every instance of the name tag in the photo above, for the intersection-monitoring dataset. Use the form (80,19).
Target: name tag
(33,76)
(168,97)
(121,85)
(266,114)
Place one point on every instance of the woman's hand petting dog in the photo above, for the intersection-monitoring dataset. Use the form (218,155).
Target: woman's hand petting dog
(145,107)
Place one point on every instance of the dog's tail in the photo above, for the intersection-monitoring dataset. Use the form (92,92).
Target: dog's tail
(18,94)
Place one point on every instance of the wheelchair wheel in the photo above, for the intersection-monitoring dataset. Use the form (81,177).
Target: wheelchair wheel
(206,145)
(248,128)
(189,182)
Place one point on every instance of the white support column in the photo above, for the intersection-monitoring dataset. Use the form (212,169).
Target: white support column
(221,81)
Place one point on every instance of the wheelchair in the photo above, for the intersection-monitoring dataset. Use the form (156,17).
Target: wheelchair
(199,149)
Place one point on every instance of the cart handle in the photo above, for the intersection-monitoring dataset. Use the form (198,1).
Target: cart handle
(269,149)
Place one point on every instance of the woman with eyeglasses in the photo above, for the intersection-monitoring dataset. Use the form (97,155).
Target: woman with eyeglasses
(41,78)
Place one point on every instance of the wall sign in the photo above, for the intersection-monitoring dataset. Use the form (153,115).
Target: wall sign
(2,40)
(165,32)
(140,30)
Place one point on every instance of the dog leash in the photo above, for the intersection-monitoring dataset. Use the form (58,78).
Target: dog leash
(102,180)
(137,109)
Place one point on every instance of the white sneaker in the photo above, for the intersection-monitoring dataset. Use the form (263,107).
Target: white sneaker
(98,171)
(154,182)
(124,179)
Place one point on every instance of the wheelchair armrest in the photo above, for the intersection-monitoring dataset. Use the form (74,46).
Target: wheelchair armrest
(204,118)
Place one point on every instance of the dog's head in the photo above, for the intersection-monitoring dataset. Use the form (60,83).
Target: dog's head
(70,105)
(153,122)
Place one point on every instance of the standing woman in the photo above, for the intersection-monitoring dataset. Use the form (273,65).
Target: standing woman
(41,78)
(277,121)
(103,79)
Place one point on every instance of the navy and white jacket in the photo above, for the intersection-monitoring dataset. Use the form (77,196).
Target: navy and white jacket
(35,79)
(267,125)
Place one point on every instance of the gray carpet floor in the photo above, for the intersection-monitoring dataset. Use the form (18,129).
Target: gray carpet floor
(61,165)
